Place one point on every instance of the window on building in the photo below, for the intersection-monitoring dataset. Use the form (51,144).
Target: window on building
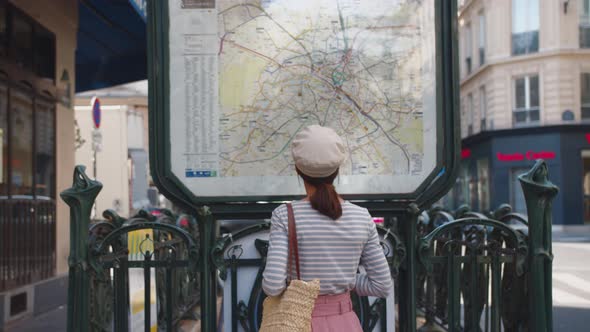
(21,143)
(483,184)
(482,39)
(473,190)
(3,29)
(469,114)
(27,126)
(465,189)
(3,139)
(448,200)
(463,115)
(516,195)
(44,149)
(468,48)
(44,53)
(483,108)
(525,26)
(27,133)
(22,40)
(526,104)
(585,95)
(26,43)
(584,6)
(461,189)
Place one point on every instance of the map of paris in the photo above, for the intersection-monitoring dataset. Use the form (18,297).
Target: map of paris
(246,76)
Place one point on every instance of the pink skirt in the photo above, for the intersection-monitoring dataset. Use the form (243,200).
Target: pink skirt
(333,313)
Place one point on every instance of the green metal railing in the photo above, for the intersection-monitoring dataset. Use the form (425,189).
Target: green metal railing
(454,270)
(98,293)
(464,258)
(227,256)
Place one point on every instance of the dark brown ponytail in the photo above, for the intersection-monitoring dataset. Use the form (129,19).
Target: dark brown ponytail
(325,199)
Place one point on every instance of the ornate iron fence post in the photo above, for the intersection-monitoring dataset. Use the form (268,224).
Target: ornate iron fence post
(428,303)
(407,276)
(208,272)
(80,198)
(539,193)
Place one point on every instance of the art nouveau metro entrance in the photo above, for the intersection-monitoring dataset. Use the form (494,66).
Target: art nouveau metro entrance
(230,85)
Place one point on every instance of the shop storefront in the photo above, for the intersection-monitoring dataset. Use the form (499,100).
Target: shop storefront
(50,50)
(492,161)
(28,94)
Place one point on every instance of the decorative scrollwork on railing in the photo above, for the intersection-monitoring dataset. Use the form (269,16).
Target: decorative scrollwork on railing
(172,250)
(460,257)
(513,238)
(80,198)
(514,312)
(219,247)
(101,295)
(229,256)
(494,261)
(461,211)
(397,253)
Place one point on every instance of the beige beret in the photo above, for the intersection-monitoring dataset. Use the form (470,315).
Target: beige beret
(318,151)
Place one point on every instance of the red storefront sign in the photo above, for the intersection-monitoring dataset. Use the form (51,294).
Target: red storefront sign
(465,153)
(529,155)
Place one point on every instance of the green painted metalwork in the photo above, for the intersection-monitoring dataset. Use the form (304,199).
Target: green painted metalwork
(80,197)
(99,302)
(407,278)
(174,255)
(102,292)
(428,292)
(514,313)
(469,251)
(249,316)
(181,285)
(399,248)
(439,257)
(515,240)
(539,193)
(208,272)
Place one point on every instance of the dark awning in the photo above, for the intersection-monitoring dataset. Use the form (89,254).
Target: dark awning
(111,43)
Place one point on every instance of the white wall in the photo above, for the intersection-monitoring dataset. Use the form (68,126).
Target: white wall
(112,167)
(135,126)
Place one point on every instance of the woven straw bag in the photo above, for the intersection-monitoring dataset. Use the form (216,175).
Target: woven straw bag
(291,311)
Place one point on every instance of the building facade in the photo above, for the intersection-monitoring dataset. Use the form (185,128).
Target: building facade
(48,51)
(37,73)
(122,163)
(525,95)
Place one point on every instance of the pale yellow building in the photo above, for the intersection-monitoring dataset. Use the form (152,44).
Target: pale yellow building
(525,94)
(511,45)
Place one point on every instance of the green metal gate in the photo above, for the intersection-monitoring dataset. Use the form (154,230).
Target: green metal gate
(467,271)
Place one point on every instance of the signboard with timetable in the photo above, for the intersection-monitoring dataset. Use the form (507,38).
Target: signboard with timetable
(241,79)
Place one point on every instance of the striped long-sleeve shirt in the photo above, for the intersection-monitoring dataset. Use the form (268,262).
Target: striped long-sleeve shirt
(329,250)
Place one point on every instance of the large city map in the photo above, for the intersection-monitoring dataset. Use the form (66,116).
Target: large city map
(246,76)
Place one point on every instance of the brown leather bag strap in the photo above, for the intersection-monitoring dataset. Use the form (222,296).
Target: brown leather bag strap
(293,248)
